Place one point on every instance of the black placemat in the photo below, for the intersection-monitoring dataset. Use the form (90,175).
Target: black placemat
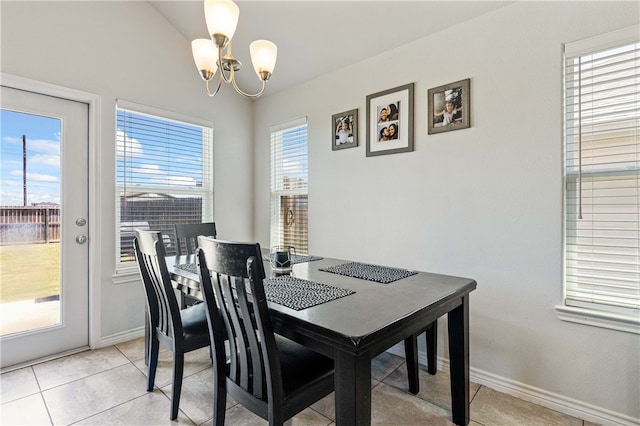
(294,293)
(295,258)
(365,271)
(189,267)
(298,294)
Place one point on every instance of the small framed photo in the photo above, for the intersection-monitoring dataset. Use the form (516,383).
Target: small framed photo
(390,121)
(344,127)
(448,107)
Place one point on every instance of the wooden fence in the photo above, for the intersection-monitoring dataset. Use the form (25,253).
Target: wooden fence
(29,224)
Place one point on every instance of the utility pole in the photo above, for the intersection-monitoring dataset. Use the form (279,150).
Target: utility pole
(24,168)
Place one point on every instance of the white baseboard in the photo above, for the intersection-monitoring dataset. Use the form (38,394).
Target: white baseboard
(554,401)
(124,336)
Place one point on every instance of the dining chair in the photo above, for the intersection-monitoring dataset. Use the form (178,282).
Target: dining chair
(179,330)
(411,355)
(186,243)
(188,233)
(268,374)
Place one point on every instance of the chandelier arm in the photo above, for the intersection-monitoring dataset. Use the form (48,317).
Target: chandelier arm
(217,88)
(248,95)
(221,68)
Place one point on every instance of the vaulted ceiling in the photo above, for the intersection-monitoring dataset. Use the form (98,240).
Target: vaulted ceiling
(318,37)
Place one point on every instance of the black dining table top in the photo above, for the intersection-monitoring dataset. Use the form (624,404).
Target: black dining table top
(374,306)
(355,328)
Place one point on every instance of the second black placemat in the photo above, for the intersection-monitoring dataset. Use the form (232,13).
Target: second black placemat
(365,271)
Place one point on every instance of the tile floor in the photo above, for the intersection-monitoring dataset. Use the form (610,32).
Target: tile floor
(107,387)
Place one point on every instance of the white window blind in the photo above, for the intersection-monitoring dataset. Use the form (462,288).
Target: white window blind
(164,175)
(289,171)
(602,182)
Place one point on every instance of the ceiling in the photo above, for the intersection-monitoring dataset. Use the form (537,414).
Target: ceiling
(318,37)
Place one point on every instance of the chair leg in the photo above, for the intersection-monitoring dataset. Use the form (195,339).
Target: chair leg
(153,363)
(411,357)
(147,338)
(275,418)
(218,357)
(176,389)
(219,398)
(182,302)
(432,340)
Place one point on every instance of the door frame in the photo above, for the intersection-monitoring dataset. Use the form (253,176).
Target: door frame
(95,251)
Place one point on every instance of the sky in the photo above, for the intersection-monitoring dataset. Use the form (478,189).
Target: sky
(43,158)
(158,153)
(150,165)
(150,161)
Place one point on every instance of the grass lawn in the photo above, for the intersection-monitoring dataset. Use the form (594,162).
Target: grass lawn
(29,271)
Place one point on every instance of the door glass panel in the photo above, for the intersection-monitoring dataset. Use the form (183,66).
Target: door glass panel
(29,222)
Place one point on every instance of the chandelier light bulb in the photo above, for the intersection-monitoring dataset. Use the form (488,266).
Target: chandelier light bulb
(222,18)
(263,56)
(205,55)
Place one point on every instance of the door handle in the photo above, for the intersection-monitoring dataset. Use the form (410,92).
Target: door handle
(81,239)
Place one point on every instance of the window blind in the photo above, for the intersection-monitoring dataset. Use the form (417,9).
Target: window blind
(602,181)
(289,185)
(163,176)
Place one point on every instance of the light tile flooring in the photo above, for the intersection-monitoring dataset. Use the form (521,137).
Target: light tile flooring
(107,387)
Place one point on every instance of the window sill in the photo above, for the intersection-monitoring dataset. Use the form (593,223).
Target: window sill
(609,320)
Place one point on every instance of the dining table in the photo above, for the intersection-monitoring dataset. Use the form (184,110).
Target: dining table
(367,318)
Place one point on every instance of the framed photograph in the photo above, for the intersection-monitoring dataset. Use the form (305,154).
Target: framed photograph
(448,107)
(390,121)
(344,127)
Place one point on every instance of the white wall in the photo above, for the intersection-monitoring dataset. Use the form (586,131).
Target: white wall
(484,202)
(126,50)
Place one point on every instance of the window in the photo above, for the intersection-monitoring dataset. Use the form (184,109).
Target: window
(602,180)
(164,175)
(289,170)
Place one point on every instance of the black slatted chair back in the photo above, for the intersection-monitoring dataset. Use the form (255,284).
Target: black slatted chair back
(187,235)
(178,330)
(163,307)
(272,376)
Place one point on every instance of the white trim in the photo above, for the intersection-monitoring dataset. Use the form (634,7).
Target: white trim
(162,113)
(551,400)
(45,358)
(128,275)
(603,41)
(598,319)
(554,401)
(296,122)
(121,337)
(95,250)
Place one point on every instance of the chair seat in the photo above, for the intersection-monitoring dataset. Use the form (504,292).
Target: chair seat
(194,322)
(301,366)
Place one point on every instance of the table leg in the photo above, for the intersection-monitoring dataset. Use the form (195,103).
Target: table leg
(411,358)
(458,320)
(353,389)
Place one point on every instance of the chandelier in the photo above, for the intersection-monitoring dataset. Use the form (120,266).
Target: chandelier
(222,18)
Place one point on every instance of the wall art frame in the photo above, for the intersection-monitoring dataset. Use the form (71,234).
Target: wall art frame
(449,107)
(344,127)
(390,121)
